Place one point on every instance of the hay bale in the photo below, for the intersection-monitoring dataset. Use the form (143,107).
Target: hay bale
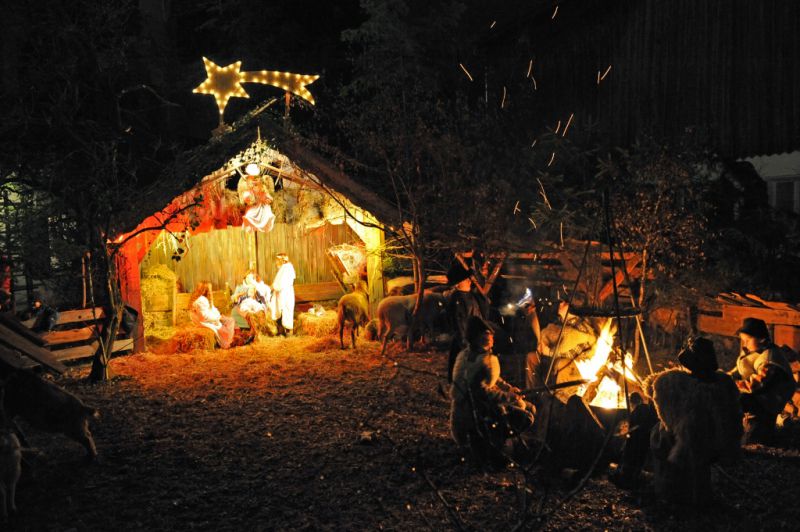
(314,325)
(157,286)
(261,324)
(190,338)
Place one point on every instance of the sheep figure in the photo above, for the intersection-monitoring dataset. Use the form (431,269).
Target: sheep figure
(353,308)
(394,315)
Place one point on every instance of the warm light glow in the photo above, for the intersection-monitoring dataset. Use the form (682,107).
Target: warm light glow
(608,395)
(224,83)
(588,368)
(252,169)
(608,392)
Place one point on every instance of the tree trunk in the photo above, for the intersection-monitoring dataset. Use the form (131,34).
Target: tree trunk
(100,372)
(419,276)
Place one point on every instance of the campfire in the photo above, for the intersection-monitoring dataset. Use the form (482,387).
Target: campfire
(605,388)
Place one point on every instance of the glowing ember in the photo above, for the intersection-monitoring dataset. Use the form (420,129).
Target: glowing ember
(608,392)
(589,367)
(609,395)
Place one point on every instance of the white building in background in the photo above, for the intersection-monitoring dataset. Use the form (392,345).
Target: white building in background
(782,174)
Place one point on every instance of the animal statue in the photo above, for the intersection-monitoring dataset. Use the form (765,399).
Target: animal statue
(394,315)
(353,308)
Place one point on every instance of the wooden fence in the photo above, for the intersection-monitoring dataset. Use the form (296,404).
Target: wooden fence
(224,255)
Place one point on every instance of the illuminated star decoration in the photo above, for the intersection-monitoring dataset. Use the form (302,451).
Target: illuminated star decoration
(225,83)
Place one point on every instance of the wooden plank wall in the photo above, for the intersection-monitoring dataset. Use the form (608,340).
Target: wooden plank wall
(223,255)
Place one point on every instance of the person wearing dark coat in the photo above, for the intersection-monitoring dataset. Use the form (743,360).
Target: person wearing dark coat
(693,420)
(464,302)
(764,378)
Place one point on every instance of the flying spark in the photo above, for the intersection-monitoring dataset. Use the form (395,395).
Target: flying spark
(503,101)
(605,73)
(493,23)
(543,194)
(558,126)
(569,121)
(516,208)
(552,158)
(554,13)
(466,71)
(530,68)
(534,83)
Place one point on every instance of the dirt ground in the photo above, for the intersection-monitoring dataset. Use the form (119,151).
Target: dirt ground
(298,434)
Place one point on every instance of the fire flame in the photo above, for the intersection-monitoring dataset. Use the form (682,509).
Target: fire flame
(609,392)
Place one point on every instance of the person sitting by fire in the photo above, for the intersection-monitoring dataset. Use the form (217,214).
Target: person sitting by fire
(764,378)
(282,302)
(692,421)
(485,410)
(203,313)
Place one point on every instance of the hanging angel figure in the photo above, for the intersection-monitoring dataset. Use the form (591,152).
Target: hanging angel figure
(255,195)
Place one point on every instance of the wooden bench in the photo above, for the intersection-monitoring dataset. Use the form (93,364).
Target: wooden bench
(309,292)
(77,335)
(21,348)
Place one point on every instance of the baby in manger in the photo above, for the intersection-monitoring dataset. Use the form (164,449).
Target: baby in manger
(251,302)
(252,295)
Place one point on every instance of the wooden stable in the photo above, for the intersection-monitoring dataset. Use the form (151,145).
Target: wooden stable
(203,227)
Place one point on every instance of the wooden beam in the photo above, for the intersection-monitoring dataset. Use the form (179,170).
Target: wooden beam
(71,336)
(88,350)
(15,360)
(9,320)
(608,288)
(41,355)
(717,325)
(771,316)
(79,315)
(317,292)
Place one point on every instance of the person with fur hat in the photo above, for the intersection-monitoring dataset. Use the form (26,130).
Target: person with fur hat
(485,410)
(764,378)
(700,358)
(464,302)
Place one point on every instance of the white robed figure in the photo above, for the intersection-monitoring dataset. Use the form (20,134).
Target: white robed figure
(254,194)
(282,302)
(203,313)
